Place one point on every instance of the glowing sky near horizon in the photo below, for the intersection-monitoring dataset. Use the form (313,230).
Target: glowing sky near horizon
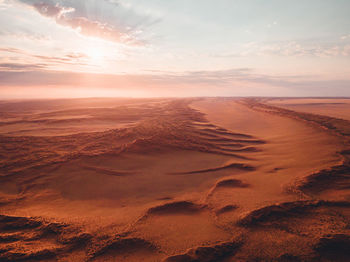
(76,48)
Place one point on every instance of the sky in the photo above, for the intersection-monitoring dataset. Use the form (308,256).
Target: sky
(154,48)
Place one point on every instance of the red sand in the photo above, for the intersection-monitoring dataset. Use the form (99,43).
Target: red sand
(212,179)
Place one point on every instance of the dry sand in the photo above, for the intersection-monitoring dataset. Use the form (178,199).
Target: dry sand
(337,108)
(210,179)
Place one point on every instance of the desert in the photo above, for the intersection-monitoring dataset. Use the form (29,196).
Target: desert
(187,179)
(174,131)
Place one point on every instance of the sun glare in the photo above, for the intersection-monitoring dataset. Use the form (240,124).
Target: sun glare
(95,54)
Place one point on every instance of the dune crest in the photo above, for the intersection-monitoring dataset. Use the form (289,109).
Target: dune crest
(200,179)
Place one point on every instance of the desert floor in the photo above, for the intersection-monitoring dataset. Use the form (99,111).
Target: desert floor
(176,180)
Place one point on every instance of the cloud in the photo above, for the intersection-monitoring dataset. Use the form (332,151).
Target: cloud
(65,59)
(248,78)
(15,67)
(11,50)
(346,50)
(344,37)
(292,49)
(26,61)
(107,19)
(240,81)
(51,10)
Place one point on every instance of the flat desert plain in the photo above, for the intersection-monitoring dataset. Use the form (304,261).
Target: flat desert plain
(175,180)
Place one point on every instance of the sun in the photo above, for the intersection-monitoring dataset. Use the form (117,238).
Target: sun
(100,54)
(96,54)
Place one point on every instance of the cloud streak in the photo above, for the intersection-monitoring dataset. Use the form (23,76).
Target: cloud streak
(16,67)
(241,81)
(43,61)
(92,22)
(293,49)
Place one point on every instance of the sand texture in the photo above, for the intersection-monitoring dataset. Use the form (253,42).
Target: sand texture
(176,180)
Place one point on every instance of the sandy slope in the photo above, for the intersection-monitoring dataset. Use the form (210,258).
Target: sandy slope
(171,179)
(338,108)
(293,149)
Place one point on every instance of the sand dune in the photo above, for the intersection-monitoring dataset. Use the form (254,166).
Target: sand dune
(274,214)
(337,108)
(174,208)
(123,245)
(30,239)
(337,177)
(105,171)
(229,166)
(225,209)
(231,183)
(200,179)
(206,254)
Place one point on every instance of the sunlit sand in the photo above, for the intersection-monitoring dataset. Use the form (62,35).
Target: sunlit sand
(195,179)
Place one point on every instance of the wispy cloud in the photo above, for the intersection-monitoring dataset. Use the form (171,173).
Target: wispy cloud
(300,48)
(28,61)
(107,19)
(16,67)
(344,37)
(239,81)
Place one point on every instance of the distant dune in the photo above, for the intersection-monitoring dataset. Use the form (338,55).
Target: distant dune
(175,180)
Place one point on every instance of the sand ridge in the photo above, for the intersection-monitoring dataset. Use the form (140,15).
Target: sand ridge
(205,179)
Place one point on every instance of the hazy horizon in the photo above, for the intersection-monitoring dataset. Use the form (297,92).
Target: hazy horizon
(20,99)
